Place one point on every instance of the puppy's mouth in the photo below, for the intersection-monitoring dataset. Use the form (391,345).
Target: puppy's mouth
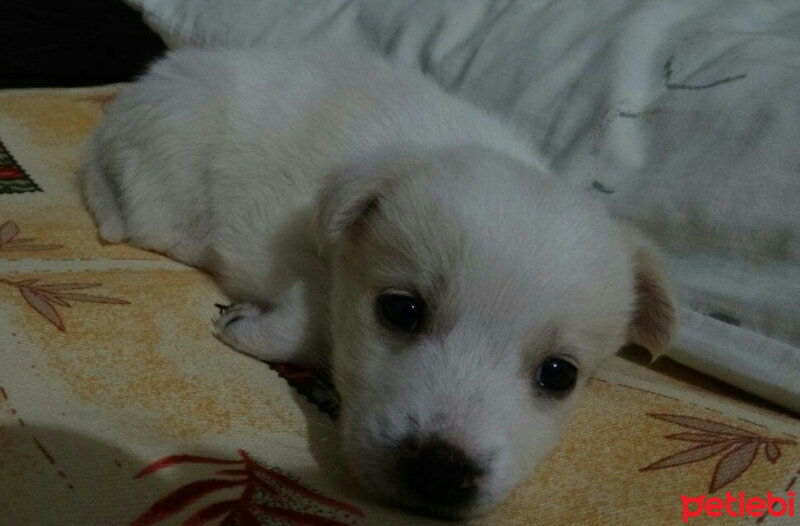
(314,384)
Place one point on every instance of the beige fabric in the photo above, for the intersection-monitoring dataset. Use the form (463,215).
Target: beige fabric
(135,376)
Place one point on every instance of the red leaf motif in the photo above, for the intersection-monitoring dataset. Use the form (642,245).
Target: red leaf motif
(8,231)
(250,508)
(210,512)
(41,305)
(703,438)
(733,464)
(181,498)
(296,517)
(275,494)
(181,459)
(688,456)
(302,490)
(772,451)
(232,472)
(701,424)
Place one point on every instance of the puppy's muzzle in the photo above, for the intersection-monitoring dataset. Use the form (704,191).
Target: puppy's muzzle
(439,473)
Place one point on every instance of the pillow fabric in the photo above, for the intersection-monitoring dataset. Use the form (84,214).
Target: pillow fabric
(683,116)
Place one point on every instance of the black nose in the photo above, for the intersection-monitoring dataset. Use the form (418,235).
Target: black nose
(440,473)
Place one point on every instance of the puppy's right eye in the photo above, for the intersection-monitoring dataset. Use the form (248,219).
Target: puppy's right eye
(400,311)
(556,375)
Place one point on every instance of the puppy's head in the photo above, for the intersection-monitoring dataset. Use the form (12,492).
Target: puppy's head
(471,301)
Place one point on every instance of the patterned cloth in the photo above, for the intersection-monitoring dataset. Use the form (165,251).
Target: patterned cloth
(117,406)
(13,178)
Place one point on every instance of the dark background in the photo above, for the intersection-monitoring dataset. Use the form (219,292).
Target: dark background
(50,43)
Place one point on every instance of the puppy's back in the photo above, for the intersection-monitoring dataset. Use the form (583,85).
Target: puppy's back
(212,153)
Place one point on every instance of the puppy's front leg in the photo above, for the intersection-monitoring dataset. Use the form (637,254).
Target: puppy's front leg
(287,332)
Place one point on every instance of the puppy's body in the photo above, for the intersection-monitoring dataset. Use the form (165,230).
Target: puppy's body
(314,184)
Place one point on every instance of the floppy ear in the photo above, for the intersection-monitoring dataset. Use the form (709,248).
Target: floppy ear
(346,198)
(654,320)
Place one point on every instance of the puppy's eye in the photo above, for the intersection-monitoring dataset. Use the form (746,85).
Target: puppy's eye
(400,310)
(556,374)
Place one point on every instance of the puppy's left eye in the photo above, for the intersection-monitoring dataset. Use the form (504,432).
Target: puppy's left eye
(400,310)
(556,375)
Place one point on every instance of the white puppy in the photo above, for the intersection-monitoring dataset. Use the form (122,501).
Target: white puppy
(364,218)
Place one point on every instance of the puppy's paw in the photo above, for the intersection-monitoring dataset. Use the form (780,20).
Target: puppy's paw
(230,314)
(268,334)
(235,324)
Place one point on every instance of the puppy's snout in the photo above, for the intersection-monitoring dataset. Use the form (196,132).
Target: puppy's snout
(440,473)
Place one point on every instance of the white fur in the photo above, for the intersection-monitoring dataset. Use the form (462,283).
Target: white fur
(309,181)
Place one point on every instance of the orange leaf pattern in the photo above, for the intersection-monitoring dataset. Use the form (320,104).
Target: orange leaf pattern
(8,231)
(772,452)
(9,242)
(701,424)
(737,448)
(41,305)
(687,456)
(705,438)
(43,298)
(733,464)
